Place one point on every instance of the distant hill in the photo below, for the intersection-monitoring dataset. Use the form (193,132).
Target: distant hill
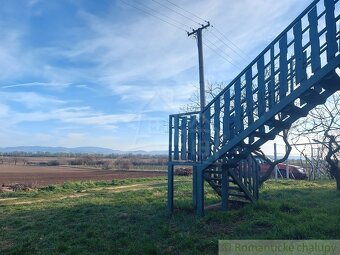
(81,150)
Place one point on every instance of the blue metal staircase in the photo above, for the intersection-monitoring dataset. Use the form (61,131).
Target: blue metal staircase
(291,76)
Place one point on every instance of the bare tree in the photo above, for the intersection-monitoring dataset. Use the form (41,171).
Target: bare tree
(273,164)
(322,125)
(211,91)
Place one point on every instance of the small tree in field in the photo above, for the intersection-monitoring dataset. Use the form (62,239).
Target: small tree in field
(322,125)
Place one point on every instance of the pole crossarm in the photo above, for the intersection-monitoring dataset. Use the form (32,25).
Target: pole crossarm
(194,31)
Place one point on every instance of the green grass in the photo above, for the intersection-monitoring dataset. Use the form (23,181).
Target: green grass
(128,217)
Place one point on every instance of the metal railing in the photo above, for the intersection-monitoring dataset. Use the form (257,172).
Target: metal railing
(184,137)
(296,60)
(305,51)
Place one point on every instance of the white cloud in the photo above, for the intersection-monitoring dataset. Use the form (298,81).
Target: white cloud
(31,99)
(54,85)
(94,118)
(80,116)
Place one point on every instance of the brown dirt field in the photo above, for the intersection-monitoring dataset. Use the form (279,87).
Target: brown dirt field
(38,176)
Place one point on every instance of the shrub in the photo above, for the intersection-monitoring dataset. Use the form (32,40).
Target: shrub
(106,165)
(53,163)
(183,171)
(75,162)
(124,164)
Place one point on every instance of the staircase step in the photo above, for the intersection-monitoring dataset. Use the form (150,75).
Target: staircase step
(239,200)
(217,164)
(214,178)
(313,97)
(279,124)
(232,163)
(238,195)
(331,83)
(213,171)
(293,110)
(232,181)
(266,136)
(250,147)
(237,156)
(234,188)
(228,164)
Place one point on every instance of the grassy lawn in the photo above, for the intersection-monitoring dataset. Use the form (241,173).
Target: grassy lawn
(128,217)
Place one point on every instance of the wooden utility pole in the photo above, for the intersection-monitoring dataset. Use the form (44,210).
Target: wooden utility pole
(198,176)
(198,33)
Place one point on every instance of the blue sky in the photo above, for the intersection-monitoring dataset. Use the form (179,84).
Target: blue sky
(101,73)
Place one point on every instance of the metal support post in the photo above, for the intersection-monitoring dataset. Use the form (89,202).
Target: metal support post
(200,193)
(170,188)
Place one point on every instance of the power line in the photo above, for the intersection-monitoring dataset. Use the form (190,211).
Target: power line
(216,52)
(166,16)
(171,9)
(217,47)
(226,38)
(193,14)
(225,55)
(223,42)
(221,55)
(153,15)
(238,49)
(217,30)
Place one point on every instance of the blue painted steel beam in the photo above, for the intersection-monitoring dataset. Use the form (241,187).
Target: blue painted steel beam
(170,138)
(184,136)
(314,39)
(283,67)
(261,96)
(272,82)
(194,186)
(176,138)
(217,123)
(206,134)
(332,46)
(226,117)
(200,192)
(225,188)
(250,100)
(300,70)
(192,136)
(237,106)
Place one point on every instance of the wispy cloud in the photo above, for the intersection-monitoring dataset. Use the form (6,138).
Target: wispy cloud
(53,85)
(31,99)
(81,116)
(86,116)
